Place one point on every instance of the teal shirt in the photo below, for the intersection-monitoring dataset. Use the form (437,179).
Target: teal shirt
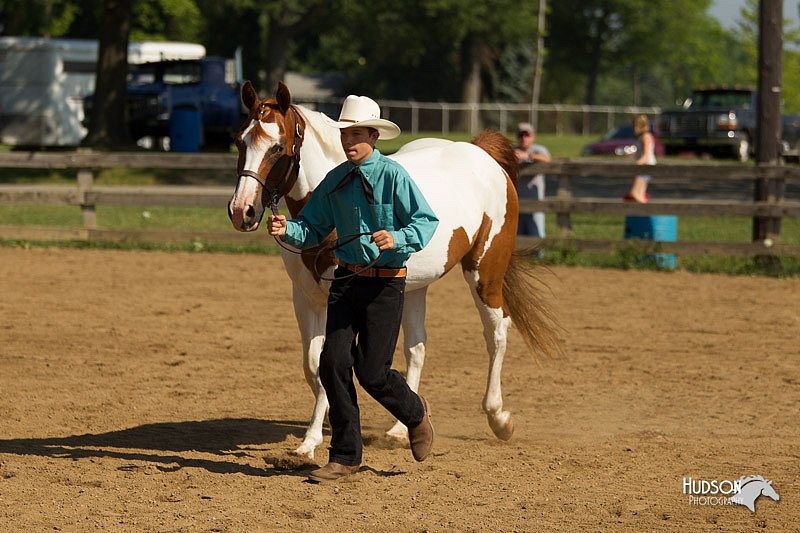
(399,208)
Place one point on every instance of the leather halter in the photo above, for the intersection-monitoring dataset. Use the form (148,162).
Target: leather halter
(287,165)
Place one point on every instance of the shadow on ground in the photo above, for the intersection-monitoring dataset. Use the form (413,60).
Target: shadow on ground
(226,438)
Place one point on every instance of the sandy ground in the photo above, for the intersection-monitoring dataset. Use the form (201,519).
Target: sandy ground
(146,391)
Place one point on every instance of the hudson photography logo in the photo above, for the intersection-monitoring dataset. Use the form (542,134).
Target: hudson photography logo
(743,491)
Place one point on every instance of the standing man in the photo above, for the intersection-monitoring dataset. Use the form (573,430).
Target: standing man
(528,152)
(370,194)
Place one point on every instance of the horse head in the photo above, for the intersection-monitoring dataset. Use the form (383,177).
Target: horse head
(269,155)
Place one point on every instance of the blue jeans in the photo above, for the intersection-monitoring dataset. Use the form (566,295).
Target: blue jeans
(532,225)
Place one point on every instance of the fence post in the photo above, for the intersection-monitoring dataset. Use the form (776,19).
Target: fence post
(564,192)
(558,121)
(768,120)
(776,196)
(586,119)
(474,118)
(85,181)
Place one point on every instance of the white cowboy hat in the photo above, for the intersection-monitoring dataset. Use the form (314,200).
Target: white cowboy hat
(364,112)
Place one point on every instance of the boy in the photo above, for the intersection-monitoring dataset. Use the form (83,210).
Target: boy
(374,192)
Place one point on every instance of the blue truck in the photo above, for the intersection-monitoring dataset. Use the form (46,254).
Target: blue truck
(722,121)
(209,85)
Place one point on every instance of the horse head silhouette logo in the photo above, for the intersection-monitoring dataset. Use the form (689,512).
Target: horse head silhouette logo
(751,488)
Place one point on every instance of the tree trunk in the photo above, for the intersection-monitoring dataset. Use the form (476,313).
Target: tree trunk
(471,87)
(598,38)
(278,37)
(537,71)
(108,124)
(594,72)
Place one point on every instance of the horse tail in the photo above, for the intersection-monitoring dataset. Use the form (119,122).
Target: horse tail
(500,148)
(530,312)
(522,288)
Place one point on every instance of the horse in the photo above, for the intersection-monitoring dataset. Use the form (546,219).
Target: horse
(285,150)
(751,488)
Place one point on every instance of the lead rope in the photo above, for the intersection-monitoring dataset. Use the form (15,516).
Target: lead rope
(273,205)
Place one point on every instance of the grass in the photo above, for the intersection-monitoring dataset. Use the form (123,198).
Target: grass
(699,229)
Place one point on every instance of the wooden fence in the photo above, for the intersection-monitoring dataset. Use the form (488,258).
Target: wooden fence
(564,203)
(86,195)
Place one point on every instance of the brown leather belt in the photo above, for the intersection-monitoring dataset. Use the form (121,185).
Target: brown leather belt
(376,272)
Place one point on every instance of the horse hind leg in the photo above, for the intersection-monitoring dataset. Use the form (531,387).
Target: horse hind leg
(414,339)
(487,293)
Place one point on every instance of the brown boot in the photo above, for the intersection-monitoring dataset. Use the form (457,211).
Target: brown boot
(421,436)
(332,472)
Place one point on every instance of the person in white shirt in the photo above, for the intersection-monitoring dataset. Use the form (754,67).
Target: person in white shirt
(528,152)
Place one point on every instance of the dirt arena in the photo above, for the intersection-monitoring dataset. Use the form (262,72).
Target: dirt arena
(147,391)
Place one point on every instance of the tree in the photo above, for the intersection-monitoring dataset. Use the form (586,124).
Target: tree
(42,18)
(746,34)
(108,124)
(590,41)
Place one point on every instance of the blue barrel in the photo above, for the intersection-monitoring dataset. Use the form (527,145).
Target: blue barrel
(185,129)
(654,228)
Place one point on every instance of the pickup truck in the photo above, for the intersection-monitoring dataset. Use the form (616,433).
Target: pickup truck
(721,121)
(209,84)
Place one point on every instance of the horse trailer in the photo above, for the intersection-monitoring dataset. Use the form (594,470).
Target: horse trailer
(43,83)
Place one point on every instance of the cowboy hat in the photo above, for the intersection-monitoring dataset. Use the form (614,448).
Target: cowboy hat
(364,112)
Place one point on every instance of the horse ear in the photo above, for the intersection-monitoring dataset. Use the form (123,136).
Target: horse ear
(284,97)
(249,95)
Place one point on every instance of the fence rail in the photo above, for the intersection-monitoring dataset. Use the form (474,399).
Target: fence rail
(564,203)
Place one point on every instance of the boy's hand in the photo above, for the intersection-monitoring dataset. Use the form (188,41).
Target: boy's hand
(277,225)
(383,239)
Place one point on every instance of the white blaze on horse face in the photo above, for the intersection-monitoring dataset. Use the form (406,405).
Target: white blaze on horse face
(256,151)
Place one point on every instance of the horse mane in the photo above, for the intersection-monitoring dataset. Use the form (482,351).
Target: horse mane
(327,136)
(500,148)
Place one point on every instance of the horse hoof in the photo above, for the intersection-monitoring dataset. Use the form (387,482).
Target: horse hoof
(503,426)
(398,432)
(306,450)
(507,432)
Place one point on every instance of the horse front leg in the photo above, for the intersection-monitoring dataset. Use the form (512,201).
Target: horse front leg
(414,339)
(311,320)
(495,333)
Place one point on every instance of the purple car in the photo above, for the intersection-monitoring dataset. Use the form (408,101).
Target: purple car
(619,141)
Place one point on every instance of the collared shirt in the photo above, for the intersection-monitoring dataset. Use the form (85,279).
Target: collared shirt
(399,208)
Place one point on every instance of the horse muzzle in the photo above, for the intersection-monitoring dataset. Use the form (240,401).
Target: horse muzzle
(245,216)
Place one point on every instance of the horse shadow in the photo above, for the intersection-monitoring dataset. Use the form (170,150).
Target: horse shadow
(164,443)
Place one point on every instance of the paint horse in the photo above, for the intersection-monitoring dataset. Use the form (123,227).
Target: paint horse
(285,151)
